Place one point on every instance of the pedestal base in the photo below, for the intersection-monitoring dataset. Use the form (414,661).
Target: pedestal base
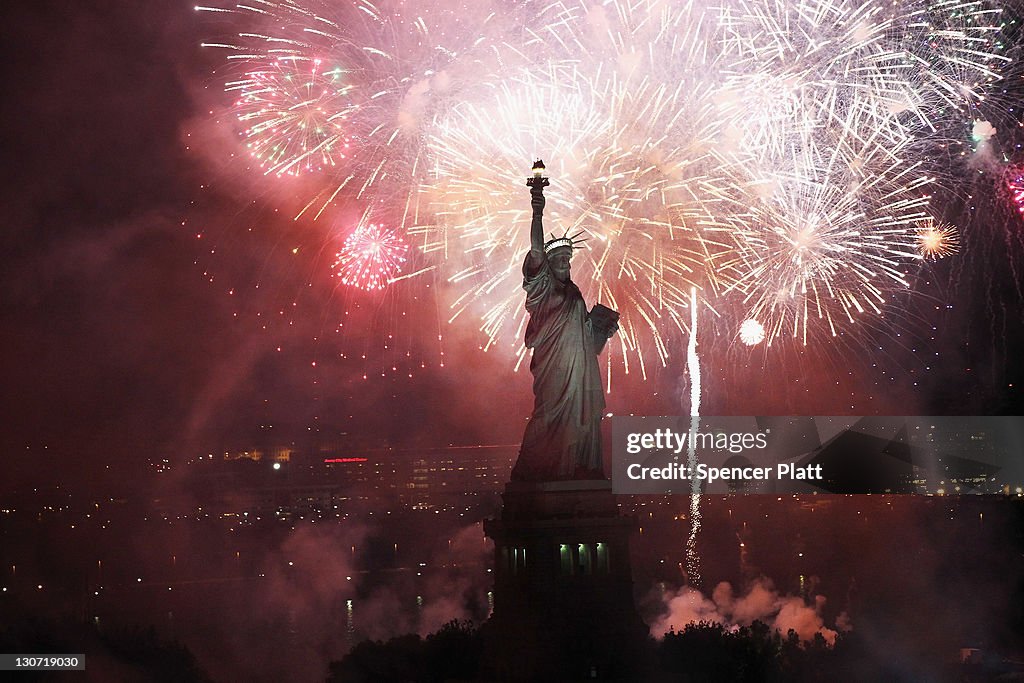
(563,587)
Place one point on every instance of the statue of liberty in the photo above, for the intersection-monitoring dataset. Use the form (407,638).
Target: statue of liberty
(563,436)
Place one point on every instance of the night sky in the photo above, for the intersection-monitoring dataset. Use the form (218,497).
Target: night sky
(155,306)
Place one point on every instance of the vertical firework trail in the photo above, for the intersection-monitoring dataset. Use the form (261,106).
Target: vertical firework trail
(693,365)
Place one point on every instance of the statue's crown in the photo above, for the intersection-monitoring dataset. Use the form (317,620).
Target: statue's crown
(564,241)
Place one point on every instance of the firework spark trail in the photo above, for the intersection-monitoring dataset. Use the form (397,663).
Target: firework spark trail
(693,365)
(960,67)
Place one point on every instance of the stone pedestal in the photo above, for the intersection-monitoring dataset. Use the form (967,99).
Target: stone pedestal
(563,586)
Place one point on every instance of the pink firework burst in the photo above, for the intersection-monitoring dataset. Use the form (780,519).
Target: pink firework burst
(1014,177)
(370,258)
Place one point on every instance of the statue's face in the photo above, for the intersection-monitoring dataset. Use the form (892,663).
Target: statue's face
(559,261)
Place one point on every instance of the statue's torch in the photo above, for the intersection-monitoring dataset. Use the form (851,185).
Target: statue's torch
(539,181)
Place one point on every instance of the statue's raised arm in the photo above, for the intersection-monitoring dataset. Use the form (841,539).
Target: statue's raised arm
(563,436)
(537,184)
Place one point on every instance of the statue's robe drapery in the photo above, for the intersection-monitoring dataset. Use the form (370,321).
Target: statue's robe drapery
(563,436)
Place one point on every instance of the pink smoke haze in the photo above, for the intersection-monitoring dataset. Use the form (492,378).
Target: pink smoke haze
(761,602)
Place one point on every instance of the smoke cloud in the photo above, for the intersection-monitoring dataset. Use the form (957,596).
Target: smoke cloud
(761,602)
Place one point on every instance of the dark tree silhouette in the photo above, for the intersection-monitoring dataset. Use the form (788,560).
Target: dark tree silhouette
(452,653)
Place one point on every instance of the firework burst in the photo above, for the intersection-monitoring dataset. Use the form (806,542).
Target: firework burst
(778,157)
(634,172)
(294,115)
(751,332)
(382,71)
(370,258)
(937,240)
(834,104)
(822,247)
(1014,187)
